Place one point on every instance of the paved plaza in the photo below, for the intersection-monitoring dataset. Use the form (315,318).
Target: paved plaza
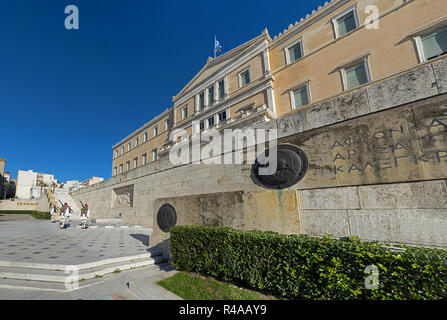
(44,242)
(33,254)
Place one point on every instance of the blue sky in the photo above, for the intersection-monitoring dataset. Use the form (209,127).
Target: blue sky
(67,96)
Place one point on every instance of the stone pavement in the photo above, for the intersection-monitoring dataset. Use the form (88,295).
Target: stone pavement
(44,242)
(140,284)
(33,243)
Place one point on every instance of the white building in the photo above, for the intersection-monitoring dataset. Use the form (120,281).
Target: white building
(30,184)
(71,185)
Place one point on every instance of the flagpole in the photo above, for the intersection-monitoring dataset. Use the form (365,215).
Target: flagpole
(215,46)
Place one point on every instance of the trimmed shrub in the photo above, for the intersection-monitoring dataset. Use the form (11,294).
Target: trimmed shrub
(304,267)
(41,215)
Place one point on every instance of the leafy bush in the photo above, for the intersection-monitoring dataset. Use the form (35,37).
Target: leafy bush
(304,267)
(41,215)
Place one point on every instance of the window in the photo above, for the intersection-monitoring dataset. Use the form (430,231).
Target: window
(115,171)
(210,122)
(210,95)
(201,100)
(202,125)
(129,145)
(167,124)
(356,75)
(135,162)
(244,78)
(127,165)
(345,22)
(221,89)
(294,51)
(184,113)
(121,168)
(137,140)
(116,154)
(122,150)
(145,137)
(155,131)
(222,116)
(432,45)
(300,97)
(154,154)
(144,159)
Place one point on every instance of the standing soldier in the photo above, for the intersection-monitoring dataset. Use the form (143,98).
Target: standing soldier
(85,214)
(53,213)
(64,215)
(69,212)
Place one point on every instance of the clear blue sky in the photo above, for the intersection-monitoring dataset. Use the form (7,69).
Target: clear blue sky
(67,96)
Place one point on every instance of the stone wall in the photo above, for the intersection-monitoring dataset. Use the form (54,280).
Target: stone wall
(377,169)
(22,205)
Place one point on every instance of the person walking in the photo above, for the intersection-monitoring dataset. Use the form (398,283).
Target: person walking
(85,215)
(53,213)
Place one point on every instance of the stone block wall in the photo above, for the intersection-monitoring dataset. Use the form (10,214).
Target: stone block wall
(377,169)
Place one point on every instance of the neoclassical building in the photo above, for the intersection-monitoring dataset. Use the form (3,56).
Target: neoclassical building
(339,47)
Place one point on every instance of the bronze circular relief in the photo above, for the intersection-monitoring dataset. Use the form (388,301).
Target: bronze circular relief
(166,217)
(291,167)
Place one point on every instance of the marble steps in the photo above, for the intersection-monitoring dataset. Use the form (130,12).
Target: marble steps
(55,273)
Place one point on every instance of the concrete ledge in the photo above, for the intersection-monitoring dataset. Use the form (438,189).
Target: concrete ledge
(60,267)
(85,276)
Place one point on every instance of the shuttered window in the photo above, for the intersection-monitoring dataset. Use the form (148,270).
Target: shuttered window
(435,44)
(202,100)
(221,89)
(154,155)
(346,24)
(210,122)
(245,78)
(356,75)
(301,97)
(222,116)
(295,52)
(210,95)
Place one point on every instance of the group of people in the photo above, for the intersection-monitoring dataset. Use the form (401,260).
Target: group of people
(65,213)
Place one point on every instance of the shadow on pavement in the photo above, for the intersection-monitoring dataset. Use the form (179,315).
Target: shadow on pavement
(144,238)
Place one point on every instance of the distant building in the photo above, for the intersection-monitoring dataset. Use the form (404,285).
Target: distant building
(2,178)
(91,181)
(2,166)
(30,184)
(71,185)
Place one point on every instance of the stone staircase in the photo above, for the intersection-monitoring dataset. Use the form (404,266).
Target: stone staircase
(62,278)
(62,195)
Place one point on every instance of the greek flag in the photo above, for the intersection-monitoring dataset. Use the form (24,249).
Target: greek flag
(217,46)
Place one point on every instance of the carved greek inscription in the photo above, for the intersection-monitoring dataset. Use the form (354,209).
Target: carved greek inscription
(391,148)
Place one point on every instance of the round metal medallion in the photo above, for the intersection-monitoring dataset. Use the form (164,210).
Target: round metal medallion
(291,167)
(166,217)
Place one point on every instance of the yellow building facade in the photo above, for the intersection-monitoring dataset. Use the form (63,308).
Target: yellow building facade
(341,46)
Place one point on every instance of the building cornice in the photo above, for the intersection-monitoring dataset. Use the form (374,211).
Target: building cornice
(305,23)
(143,127)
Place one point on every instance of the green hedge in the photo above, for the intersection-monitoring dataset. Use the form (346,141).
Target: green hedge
(303,267)
(41,215)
